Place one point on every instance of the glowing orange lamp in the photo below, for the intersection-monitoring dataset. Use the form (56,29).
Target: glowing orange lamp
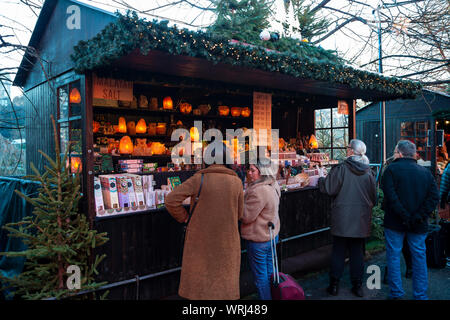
(122,125)
(194,134)
(167,103)
(313,144)
(141,126)
(235,111)
(125,145)
(245,112)
(224,110)
(74,96)
(75,164)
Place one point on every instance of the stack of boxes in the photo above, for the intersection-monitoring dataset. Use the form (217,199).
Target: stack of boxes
(128,192)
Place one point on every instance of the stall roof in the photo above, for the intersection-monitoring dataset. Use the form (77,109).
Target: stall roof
(53,43)
(135,43)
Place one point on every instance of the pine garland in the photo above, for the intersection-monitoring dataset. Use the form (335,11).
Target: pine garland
(307,62)
(56,235)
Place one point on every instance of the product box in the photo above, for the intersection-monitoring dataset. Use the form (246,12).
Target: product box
(173,182)
(138,189)
(109,191)
(123,189)
(131,193)
(99,205)
(131,161)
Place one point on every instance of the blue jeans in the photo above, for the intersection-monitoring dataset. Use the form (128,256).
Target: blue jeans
(260,260)
(416,243)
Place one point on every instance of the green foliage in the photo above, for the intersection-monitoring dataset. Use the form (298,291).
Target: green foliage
(307,62)
(378,218)
(310,25)
(56,235)
(241,20)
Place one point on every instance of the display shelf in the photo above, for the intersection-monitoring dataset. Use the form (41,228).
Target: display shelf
(177,114)
(138,136)
(124,214)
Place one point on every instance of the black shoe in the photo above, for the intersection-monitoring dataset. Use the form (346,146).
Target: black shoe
(333,288)
(408,273)
(357,288)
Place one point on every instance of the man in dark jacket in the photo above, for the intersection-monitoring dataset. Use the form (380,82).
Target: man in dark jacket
(410,196)
(352,185)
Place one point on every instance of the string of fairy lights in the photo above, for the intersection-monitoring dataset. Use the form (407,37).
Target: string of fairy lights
(129,32)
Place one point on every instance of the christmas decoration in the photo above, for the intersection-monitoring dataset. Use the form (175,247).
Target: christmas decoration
(294,58)
(56,235)
(264,35)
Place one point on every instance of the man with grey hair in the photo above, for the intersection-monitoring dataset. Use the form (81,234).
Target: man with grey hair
(410,196)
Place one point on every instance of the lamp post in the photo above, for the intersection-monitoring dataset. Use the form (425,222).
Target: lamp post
(382,103)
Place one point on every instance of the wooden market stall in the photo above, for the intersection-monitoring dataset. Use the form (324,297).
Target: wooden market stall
(124,70)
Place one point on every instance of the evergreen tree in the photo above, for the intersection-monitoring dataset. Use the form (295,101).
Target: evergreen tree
(310,25)
(56,235)
(241,20)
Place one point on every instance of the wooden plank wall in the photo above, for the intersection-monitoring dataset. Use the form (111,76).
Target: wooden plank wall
(41,102)
(142,244)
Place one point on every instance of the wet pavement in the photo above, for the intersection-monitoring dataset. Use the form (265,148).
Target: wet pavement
(315,284)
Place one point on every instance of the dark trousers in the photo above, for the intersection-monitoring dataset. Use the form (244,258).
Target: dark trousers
(355,247)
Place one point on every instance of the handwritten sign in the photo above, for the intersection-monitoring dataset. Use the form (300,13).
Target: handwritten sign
(262,115)
(112,89)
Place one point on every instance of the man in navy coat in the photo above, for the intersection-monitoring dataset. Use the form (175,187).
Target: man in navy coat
(410,196)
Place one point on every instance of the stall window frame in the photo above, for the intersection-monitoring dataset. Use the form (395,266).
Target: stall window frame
(332,128)
(415,136)
(70,119)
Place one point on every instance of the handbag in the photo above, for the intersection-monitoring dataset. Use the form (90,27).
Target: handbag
(191,212)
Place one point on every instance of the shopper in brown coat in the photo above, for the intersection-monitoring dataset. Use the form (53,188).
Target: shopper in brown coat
(212,250)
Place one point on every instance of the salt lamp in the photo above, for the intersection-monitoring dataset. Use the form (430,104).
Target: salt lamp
(185,107)
(246,112)
(122,125)
(141,126)
(75,164)
(74,96)
(224,110)
(125,145)
(235,111)
(313,144)
(194,134)
(167,103)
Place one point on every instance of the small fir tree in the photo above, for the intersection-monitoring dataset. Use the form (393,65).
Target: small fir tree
(56,235)
(241,20)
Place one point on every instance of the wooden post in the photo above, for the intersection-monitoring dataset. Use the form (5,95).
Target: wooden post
(89,149)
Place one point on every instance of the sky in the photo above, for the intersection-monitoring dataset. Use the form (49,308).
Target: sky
(22,19)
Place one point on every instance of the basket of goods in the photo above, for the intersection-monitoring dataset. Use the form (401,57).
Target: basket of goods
(302,179)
